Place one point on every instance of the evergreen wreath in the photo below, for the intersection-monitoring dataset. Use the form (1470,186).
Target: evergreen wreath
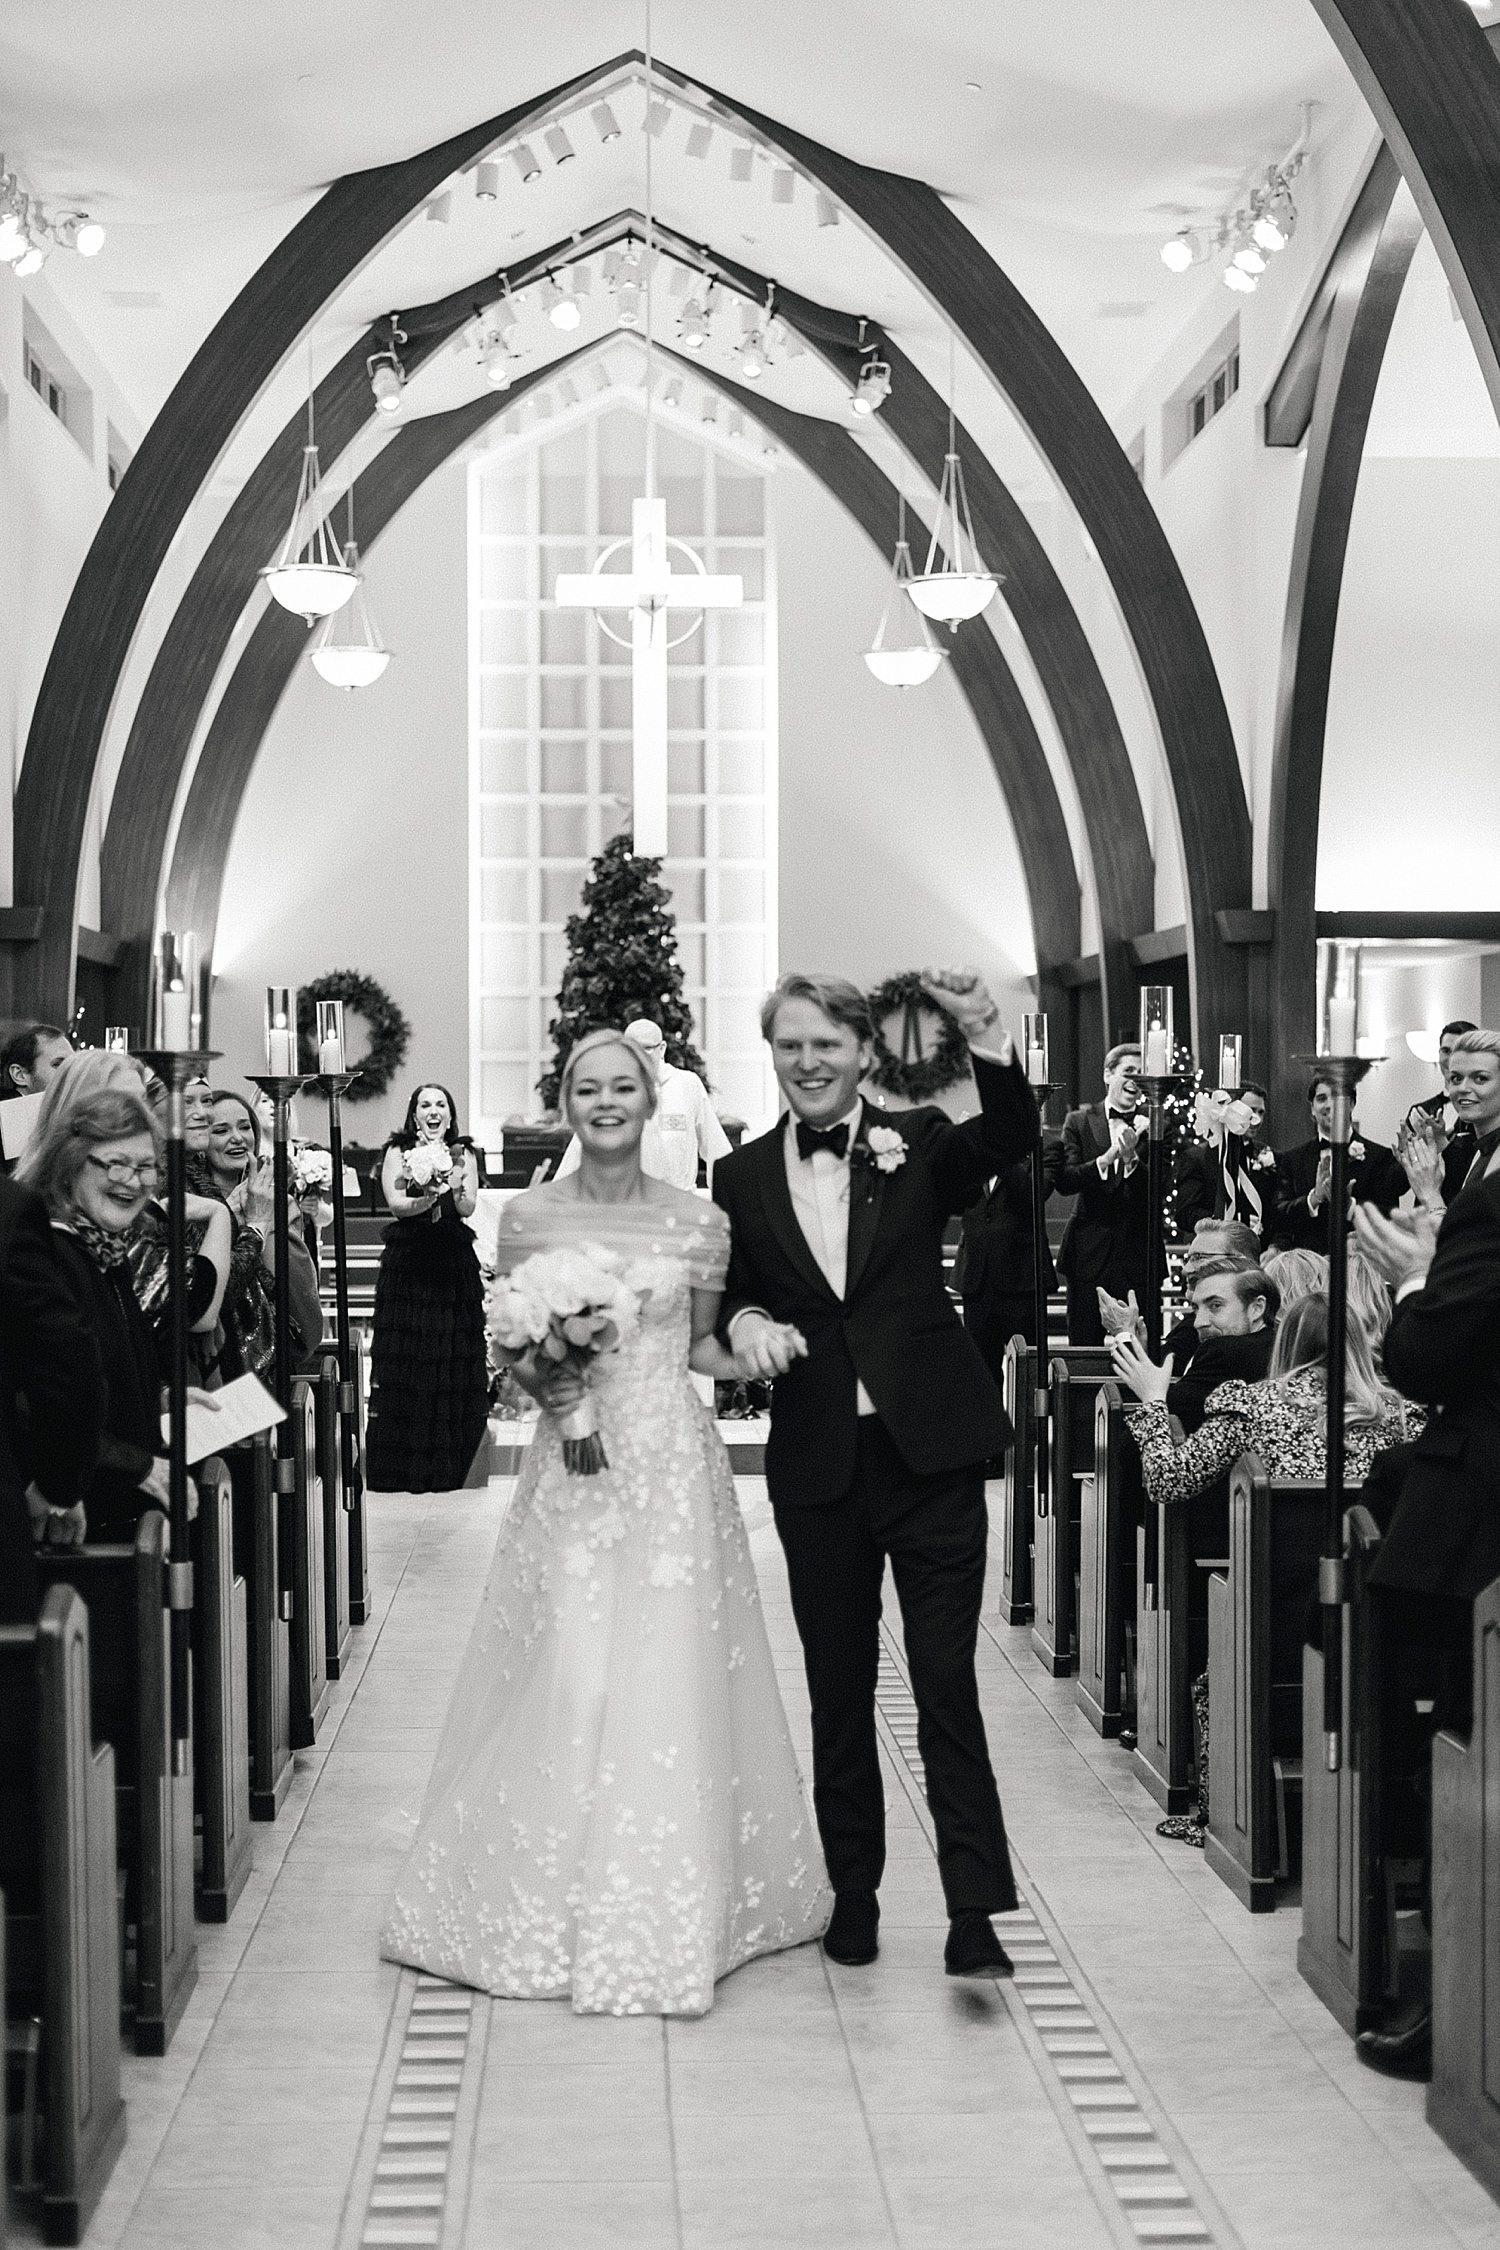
(390,1033)
(622,963)
(916,1075)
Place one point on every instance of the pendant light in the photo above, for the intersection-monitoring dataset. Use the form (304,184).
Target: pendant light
(348,652)
(955,584)
(315,581)
(909,665)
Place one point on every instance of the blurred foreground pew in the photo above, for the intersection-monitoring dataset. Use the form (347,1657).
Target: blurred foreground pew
(1463,2101)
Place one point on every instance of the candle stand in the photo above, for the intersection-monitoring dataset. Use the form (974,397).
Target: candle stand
(1157,1088)
(282,1091)
(335,1084)
(1343,1073)
(175,1067)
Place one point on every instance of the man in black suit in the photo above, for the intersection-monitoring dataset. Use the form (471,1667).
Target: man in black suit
(1232,1176)
(1104,1165)
(996,1272)
(1442,1545)
(1227,1334)
(1303,1175)
(52,1401)
(882,1417)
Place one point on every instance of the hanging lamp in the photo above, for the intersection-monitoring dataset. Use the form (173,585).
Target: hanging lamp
(311,581)
(348,652)
(908,665)
(955,584)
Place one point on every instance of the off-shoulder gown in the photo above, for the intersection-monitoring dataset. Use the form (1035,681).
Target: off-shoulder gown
(616,1814)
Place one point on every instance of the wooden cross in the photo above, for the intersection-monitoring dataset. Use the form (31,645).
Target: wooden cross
(649,589)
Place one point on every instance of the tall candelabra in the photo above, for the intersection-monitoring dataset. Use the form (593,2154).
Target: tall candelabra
(335,1081)
(1036,1047)
(1157,1078)
(282,1082)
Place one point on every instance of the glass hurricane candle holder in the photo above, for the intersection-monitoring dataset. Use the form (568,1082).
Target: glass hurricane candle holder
(1231,1047)
(1338,998)
(117,1038)
(1035,1046)
(281,1030)
(1156,1040)
(330,1037)
(172,1014)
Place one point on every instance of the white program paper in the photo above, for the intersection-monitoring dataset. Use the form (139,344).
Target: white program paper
(17,1124)
(242,1409)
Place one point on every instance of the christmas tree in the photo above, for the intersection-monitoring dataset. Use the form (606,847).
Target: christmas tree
(622,963)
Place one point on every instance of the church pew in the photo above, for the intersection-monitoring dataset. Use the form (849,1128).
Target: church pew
(57,1870)
(252,1470)
(308,1641)
(1018,1387)
(221,1712)
(1463,2101)
(1173,1545)
(1347,1948)
(1257,1610)
(1074,1374)
(354,1398)
(125,1590)
(335,1509)
(1109,1509)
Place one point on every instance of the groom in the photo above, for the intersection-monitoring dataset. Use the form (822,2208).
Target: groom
(882,1418)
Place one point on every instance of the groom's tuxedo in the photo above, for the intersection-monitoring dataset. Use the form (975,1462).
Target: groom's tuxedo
(877,1445)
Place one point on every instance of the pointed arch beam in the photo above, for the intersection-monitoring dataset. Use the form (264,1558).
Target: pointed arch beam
(259,680)
(171,466)
(1363,282)
(1043,389)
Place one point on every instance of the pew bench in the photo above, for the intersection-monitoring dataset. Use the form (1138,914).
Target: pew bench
(1109,1512)
(257,1559)
(221,1713)
(1074,1376)
(1257,1611)
(125,1589)
(1177,1545)
(336,1505)
(308,1638)
(1018,1385)
(1463,2101)
(57,1871)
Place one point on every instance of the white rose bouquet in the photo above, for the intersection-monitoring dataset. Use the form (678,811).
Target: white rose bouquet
(427,1168)
(312,1172)
(564,1307)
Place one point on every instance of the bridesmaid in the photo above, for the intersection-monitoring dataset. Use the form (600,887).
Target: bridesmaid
(430,1375)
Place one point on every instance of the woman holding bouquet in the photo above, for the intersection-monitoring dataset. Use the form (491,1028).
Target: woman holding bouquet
(430,1381)
(615,1816)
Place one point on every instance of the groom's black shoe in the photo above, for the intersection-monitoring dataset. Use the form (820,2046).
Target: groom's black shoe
(852,1936)
(973,1950)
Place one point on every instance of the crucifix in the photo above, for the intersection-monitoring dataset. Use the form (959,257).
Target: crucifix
(649,590)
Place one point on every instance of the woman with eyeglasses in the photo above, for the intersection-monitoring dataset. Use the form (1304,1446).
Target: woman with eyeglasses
(225,1164)
(95,1165)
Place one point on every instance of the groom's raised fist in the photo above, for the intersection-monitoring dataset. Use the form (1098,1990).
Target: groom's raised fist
(963,994)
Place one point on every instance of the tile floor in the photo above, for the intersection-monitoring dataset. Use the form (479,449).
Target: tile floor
(882,2107)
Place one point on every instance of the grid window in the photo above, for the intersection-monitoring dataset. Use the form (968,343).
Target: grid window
(551,763)
(1215,394)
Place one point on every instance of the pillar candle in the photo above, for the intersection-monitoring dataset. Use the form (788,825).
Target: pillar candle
(1156,1062)
(176,1019)
(1341,1024)
(279,1052)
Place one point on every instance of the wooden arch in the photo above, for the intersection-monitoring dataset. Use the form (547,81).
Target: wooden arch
(201,852)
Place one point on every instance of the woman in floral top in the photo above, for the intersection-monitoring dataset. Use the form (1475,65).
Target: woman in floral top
(1283,1421)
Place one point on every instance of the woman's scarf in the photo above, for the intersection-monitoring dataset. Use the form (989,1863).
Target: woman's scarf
(105,1248)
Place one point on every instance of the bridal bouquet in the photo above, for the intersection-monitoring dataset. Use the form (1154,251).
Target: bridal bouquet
(426,1167)
(566,1306)
(312,1172)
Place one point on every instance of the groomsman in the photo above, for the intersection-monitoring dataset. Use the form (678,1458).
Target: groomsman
(1104,1165)
(1304,1176)
(1232,1176)
(995,1273)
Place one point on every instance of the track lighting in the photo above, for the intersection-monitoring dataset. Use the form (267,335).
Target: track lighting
(1276,221)
(699,140)
(1254,230)
(12,237)
(1248,257)
(565,306)
(1179,253)
(752,356)
(693,328)
(656,119)
(31,260)
(672,395)
(559,147)
(487,181)
(873,387)
(386,373)
(524,158)
(741,165)
(606,124)
(1236,278)
(495,360)
(628,304)
(827,210)
(783,185)
(75,230)
(440,210)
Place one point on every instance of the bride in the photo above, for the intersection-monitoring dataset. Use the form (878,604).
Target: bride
(616,1814)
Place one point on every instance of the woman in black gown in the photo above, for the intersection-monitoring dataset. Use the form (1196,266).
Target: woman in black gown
(430,1378)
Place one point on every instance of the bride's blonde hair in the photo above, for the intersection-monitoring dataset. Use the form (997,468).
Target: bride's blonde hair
(590,1044)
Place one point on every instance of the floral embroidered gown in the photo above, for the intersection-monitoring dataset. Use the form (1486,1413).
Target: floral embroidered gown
(616,1813)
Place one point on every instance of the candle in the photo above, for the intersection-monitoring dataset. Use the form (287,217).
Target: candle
(1342,1018)
(281,1030)
(1338,997)
(330,1037)
(117,1039)
(1229,1062)
(1155,1060)
(1034,1040)
(279,1052)
(176,1019)
(1156,1031)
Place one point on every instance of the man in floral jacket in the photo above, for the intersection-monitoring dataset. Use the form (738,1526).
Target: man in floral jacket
(1304,1176)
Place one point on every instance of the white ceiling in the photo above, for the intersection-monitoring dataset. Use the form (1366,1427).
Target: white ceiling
(201,133)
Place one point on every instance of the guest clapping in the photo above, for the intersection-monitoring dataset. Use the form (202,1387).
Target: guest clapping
(1305,1177)
(231,1168)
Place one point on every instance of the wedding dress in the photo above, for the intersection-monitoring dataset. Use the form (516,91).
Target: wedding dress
(616,1812)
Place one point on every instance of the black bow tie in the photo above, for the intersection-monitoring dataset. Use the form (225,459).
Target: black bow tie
(1125,1116)
(835,1138)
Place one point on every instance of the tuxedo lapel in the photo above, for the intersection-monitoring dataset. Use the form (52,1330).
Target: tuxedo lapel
(782,1218)
(866,1195)
(1098,1125)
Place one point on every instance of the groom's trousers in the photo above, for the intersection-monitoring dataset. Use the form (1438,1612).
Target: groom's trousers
(934,1530)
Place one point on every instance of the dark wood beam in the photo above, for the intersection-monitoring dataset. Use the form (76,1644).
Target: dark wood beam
(97,946)
(1152,947)
(20,925)
(1079,973)
(1365,275)
(175,458)
(1044,390)
(1246,925)
(1435,928)
(1289,408)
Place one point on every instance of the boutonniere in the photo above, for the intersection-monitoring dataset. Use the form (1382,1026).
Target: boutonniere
(1264,1160)
(887,1148)
(1356,1152)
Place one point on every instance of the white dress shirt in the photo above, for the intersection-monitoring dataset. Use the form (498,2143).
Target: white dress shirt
(1117,1125)
(819,1187)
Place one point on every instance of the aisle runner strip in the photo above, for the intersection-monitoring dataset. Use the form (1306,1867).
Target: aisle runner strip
(1121,2143)
(411,2178)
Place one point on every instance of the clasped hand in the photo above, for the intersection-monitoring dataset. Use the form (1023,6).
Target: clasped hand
(556,1384)
(764,1349)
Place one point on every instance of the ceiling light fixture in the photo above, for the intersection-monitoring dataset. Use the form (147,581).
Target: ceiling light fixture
(955,585)
(524,158)
(606,124)
(31,260)
(1181,251)
(487,181)
(1256,229)
(873,386)
(783,185)
(440,209)
(693,325)
(910,665)
(75,230)
(386,373)
(1236,278)
(656,119)
(565,306)
(495,360)
(827,210)
(559,147)
(310,580)
(628,304)
(700,139)
(348,652)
